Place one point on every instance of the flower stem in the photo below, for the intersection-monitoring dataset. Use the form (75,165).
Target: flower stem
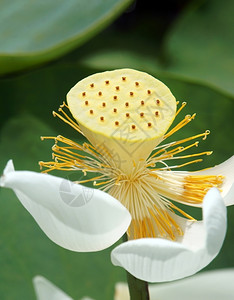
(138,289)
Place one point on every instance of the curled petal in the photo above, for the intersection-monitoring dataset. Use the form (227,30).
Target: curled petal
(46,290)
(213,285)
(227,170)
(159,260)
(71,215)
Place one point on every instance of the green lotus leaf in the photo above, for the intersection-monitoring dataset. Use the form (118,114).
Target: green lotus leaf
(35,32)
(201,46)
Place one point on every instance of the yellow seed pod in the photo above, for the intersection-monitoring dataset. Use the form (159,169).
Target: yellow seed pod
(124,113)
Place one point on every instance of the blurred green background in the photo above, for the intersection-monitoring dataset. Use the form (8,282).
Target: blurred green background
(45,48)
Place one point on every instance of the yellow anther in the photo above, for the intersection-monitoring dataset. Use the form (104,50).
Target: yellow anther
(207,132)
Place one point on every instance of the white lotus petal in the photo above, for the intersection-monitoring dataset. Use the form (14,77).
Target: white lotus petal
(158,260)
(226,169)
(45,290)
(71,215)
(196,235)
(9,167)
(215,285)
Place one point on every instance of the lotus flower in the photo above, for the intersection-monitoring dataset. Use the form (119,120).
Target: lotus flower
(125,115)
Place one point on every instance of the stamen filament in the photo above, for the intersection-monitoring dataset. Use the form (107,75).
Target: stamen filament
(181,107)
(181,124)
(178,166)
(76,126)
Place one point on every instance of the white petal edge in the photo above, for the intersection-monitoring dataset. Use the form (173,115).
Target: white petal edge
(226,169)
(215,285)
(71,215)
(160,260)
(45,290)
